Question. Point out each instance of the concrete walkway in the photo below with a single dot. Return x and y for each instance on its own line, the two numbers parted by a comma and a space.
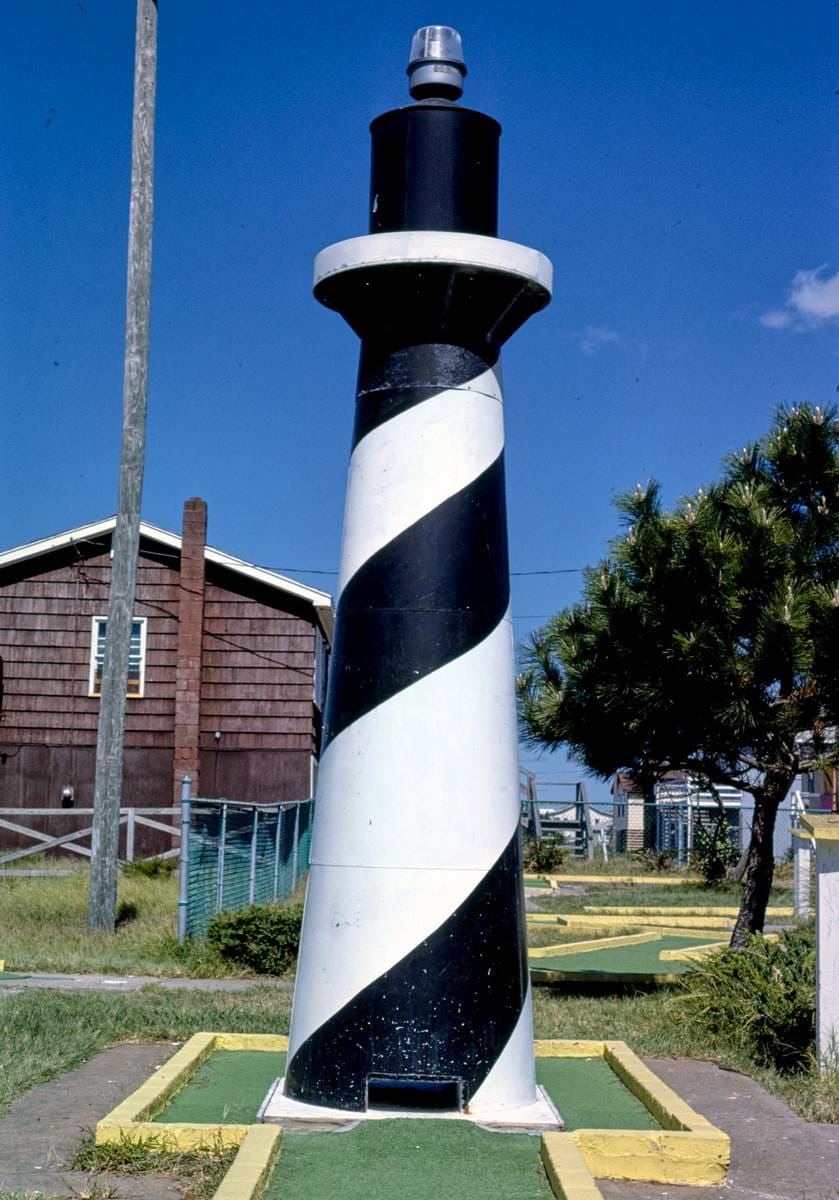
47, 1124
132, 983
775, 1154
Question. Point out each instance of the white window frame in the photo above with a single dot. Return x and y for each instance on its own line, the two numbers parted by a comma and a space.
94, 646
321, 669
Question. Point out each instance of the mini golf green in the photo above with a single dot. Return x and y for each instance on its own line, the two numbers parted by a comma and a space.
413, 1160
11, 975
230, 1086
227, 1089
640, 958
410, 1158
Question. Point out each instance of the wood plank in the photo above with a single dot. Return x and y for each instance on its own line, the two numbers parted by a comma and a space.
235, 691
287, 710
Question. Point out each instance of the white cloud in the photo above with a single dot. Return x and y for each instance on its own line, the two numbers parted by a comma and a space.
595, 338
812, 303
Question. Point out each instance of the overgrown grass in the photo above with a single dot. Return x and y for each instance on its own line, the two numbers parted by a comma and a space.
198, 1175
31, 1051
653, 1022
43, 927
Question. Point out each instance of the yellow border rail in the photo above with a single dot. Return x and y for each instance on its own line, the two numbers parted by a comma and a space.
686, 1149
132, 1120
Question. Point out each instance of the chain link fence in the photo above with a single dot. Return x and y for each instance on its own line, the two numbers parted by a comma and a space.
238, 854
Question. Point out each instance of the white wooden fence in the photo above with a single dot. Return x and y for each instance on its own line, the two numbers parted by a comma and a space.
129, 817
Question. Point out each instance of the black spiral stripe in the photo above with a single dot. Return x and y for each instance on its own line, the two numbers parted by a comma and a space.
392, 381
433, 593
447, 1009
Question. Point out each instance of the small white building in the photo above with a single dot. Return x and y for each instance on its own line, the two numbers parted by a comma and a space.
671, 816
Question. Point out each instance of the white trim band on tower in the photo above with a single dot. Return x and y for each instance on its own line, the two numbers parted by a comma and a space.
434, 246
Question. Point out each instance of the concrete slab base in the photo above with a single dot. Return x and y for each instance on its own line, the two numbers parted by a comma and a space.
296, 1117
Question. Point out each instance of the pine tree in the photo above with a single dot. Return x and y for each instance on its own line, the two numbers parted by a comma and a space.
707, 640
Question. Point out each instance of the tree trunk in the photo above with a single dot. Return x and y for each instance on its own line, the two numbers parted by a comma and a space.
760, 864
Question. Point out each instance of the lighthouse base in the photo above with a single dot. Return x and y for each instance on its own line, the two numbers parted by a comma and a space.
278, 1109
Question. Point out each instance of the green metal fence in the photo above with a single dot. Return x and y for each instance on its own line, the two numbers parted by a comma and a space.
239, 854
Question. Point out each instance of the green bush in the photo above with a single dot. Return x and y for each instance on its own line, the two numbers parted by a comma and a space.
150, 868
713, 852
654, 860
543, 854
761, 998
264, 937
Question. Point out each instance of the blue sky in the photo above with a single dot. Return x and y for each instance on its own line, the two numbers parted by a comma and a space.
673, 159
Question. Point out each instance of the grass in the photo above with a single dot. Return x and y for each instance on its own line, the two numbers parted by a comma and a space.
199, 1175
651, 1022
30, 1052
43, 927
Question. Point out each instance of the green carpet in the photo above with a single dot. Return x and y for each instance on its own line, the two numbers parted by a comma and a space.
11, 975
535, 883
230, 1086
589, 1095
641, 958
411, 1160
226, 1089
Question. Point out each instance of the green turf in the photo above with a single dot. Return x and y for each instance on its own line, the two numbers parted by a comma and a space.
228, 1088
589, 1095
535, 883
11, 975
412, 1160
640, 958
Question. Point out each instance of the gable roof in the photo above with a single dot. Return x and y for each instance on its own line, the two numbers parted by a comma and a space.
320, 601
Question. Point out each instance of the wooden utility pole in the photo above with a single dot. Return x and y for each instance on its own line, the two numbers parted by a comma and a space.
126, 540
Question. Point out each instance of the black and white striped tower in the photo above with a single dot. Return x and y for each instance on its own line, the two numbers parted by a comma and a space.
412, 978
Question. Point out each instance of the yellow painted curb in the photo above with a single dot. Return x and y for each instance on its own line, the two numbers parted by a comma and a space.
132, 1119
251, 1169
566, 1169
655, 1156
689, 953
568, 1048
2, 964
586, 919
628, 939
824, 828
548, 976
730, 910
687, 1149
643, 880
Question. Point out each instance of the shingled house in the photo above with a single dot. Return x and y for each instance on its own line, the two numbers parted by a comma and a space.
227, 674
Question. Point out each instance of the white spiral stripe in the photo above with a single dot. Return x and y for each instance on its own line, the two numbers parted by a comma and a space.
507, 1086
402, 785
409, 822
407, 466
349, 955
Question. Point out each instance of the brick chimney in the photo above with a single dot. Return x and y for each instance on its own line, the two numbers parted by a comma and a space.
190, 634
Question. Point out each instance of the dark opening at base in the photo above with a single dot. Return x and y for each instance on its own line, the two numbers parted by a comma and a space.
414, 1091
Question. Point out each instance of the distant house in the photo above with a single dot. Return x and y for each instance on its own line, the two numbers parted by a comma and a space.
669, 818
227, 673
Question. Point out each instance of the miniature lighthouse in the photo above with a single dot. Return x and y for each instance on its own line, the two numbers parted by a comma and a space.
412, 984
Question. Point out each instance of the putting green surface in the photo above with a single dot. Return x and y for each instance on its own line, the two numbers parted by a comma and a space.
410, 1160
530, 882
642, 958
230, 1086
226, 1089
589, 1095
11, 975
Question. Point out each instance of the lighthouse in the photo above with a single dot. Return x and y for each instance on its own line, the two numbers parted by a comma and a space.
412, 986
